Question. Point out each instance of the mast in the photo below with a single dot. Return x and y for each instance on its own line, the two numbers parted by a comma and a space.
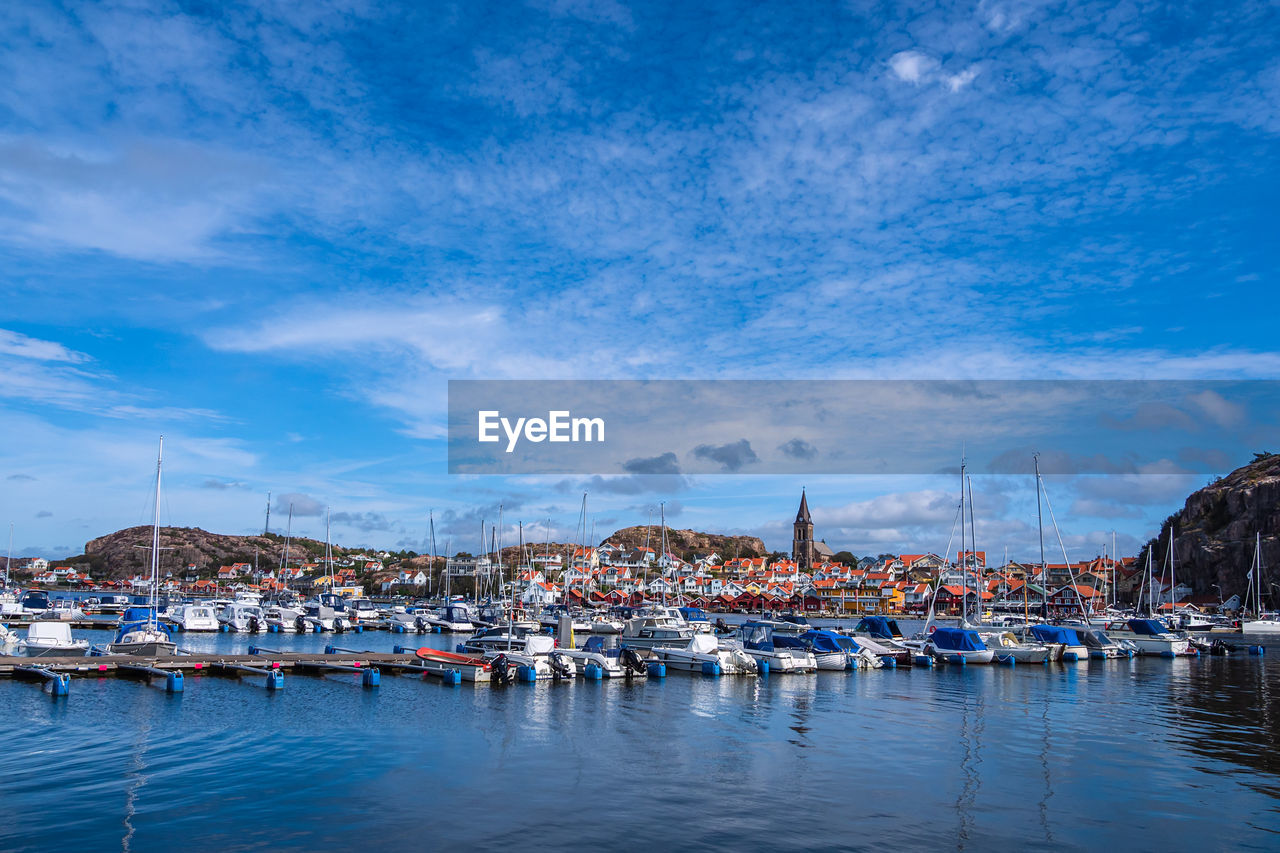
266, 527
662, 510
155, 537
1044, 586
8, 560
964, 576
328, 549
431, 567
973, 546
288, 532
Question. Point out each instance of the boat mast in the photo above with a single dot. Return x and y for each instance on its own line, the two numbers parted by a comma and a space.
964, 576
973, 546
8, 560
328, 549
288, 532
662, 510
1044, 585
431, 567
155, 537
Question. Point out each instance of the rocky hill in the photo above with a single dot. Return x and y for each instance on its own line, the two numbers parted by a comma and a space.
1214, 531
686, 543
116, 555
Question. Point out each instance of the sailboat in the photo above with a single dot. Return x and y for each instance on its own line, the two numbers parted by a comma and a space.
1263, 622
141, 632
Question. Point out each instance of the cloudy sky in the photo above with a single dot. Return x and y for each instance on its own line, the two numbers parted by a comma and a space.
274, 231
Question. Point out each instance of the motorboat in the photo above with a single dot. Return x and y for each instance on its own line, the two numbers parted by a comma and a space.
195, 617
320, 617
603, 623
52, 639
111, 604
703, 653
469, 667
499, 638
650, 630
243, 618
1007, 647
957, 645
1101, 646
832, 651
616, 663
34, 603
1064, 642
757, 640
878, 628
549, 619
454, 618
1266, 623
141, 633
64, 609
362, 611
8, 636
1151, 637
533, 653
697, 619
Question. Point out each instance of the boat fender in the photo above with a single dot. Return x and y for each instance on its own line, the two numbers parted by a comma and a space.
370, 677
657, 669
328, 650
173, 682
1168, 654
889, 661
275, 680
593, 672
1070, 657
762, 666
923, 660
526, 673
451, 677
1098, 654
710, 667
460, 649
1257, 650
960, 660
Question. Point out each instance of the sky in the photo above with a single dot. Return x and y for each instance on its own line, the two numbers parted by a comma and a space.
273, 232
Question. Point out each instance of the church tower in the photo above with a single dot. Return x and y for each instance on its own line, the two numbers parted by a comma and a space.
802, 539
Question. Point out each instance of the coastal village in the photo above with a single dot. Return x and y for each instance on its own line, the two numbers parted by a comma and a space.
810, 579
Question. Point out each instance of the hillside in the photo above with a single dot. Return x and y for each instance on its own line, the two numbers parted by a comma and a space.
686, 543
117, 555
1215, 529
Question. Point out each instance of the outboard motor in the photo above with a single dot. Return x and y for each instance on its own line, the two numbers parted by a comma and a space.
560, 667
630, 659
420, 624
501, 669
254, 625
300, 624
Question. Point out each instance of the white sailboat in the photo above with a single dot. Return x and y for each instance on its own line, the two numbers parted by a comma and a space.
1263, 622
141, 632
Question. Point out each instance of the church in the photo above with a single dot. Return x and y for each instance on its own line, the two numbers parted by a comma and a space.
804, 550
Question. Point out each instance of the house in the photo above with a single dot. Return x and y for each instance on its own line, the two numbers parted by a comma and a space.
540, 594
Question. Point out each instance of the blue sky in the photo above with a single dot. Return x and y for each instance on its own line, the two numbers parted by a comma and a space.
274, 231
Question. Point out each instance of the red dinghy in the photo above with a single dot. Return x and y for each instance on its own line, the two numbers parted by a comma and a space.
468, 667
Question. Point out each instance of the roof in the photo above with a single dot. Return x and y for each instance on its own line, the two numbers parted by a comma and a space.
802, 515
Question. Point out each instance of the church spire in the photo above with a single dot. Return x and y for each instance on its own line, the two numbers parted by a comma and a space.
803, 514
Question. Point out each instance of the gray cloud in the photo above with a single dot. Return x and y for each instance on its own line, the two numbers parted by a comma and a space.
44, 513
303, 505
731, 457
220, 485
798, 448
20, 478
365, 522
665, 463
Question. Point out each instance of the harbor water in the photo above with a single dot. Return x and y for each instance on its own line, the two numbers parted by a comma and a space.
1134, 755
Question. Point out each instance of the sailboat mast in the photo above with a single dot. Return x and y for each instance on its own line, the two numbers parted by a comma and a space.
964, 576
155, 535
1044, 586
8, 560
973, 546
431, 567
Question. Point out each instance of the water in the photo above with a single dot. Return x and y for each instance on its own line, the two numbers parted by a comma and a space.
1148, 754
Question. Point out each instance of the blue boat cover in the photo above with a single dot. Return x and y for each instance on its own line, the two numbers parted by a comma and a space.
692, 613
136, 614
1055, 634
957, 640
823, 642
877, 626
759, 637
1147, 627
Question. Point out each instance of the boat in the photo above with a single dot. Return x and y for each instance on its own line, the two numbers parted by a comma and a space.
1151, 637
757, 640
195, 617
453, 618
1262, 621
613, 663
362, 611
831, 650
650, 630
957, 645
64, 609
469, 667
1101, 646
8, 636
703, 653
549, 619
878, 628
320, 617
243, 618
1065, 644
52, 639
141, 632
696, 618
1007, 647
33, 603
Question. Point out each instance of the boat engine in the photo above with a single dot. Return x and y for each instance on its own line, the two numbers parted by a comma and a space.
501, 669
300, 625
560, 667
631, 659
254, 625
420, 624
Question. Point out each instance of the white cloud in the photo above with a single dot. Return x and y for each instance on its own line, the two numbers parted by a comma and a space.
911, 66
22, 346
956, 82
